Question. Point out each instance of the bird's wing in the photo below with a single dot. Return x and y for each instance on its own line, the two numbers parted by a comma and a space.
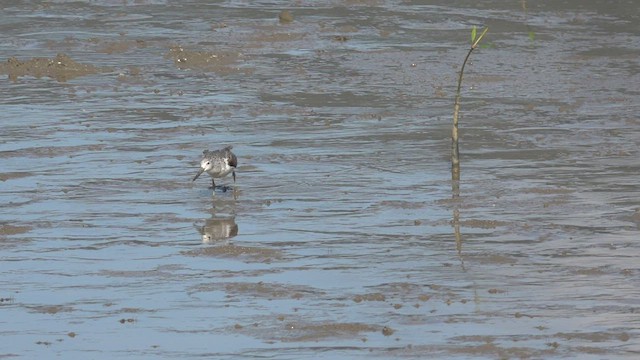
207, 152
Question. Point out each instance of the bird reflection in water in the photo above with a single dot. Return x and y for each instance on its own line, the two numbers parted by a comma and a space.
216, 230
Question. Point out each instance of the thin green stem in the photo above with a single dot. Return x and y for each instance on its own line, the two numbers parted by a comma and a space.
455, 149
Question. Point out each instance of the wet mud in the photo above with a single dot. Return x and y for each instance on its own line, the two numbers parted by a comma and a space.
61, 68
217, 62
248, 253
342, 237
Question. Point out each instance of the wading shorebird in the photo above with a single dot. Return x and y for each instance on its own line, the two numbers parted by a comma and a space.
218, 164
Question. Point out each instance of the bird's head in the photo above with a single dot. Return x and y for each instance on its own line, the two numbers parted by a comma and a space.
206, 164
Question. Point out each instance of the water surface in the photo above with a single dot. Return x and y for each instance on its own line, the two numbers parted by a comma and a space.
341, 238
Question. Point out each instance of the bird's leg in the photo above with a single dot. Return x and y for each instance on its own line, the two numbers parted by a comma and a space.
214, 183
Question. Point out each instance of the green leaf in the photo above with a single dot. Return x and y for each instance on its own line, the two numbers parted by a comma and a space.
532, 36
477, 41
473, 34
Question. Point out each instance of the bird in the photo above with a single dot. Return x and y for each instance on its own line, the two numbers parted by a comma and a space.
218, 164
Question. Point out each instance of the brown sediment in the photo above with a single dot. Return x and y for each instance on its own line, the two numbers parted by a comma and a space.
14, 175
234, 251
499, 352
61, 68
311, 332
596, 336
222, 62
295, 329
483, 224
50, 309
369, 297
261, 290
285, 17
13, 230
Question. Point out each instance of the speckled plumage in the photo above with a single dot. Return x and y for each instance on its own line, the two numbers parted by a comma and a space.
218, 164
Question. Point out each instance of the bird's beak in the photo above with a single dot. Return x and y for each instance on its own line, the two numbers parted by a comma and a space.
234, 176
198, 174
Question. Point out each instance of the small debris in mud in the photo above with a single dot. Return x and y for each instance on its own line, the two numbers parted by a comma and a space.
285, 17
340, 38
45, 343
387, 331
61, 68
496, 291
71, 334
129, 320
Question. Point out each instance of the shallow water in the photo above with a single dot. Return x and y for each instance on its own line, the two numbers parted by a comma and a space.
341, 238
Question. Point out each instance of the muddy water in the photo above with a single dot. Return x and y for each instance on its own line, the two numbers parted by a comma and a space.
341, 238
